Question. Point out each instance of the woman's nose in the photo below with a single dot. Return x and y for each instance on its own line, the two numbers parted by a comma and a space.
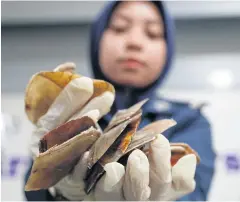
135, 39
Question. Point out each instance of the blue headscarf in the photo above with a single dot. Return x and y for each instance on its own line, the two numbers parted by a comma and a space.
97, 30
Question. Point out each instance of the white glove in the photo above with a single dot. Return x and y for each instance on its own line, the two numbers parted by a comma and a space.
71, 104
148, 178
72, 186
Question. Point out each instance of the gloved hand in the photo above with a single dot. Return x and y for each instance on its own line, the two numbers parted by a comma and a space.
71, 104
148, 178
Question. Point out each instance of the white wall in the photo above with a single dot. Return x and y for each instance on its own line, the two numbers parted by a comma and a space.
14, 146
14, 12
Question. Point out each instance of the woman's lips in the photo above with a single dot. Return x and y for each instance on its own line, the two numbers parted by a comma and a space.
132, 63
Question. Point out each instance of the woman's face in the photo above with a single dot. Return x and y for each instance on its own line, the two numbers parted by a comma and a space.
133, 48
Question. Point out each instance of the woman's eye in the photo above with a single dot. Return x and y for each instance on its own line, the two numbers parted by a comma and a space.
118, 28
154, 32
155, 35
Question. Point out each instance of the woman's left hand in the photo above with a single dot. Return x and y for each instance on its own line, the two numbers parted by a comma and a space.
148, 178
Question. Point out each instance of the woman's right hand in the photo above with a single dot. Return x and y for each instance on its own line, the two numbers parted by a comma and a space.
71, 101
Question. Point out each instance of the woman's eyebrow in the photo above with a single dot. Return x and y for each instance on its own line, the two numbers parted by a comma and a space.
154, 21
122, 16
128, 19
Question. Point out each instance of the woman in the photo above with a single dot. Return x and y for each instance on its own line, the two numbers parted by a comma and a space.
132, 47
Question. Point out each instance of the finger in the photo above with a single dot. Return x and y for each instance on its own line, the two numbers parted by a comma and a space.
183, 173
102, 102
71, 191
136, 179
72, 185
80, 168
66, 67
109, 187
160, 168
71, 99
93, 114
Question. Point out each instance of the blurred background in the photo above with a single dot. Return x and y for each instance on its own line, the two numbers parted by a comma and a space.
40, 35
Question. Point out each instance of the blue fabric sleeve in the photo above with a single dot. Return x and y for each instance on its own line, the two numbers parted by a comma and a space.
198, 136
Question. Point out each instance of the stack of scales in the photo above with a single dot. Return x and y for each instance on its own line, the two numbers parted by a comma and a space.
61, 148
